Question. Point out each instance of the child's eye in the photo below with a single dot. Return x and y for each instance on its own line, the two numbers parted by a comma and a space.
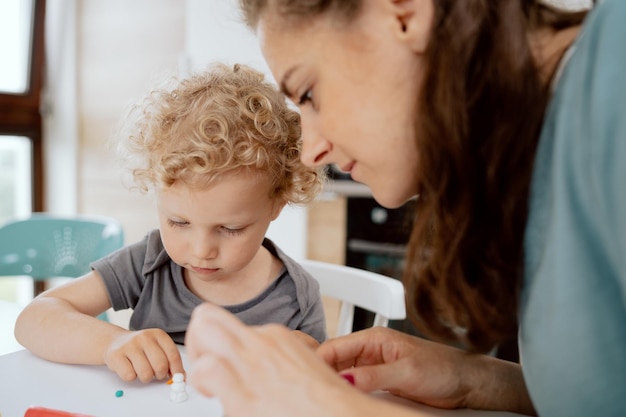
232, 231
306, 97
175, 223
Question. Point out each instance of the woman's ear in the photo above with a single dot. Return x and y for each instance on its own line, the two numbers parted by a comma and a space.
414, 21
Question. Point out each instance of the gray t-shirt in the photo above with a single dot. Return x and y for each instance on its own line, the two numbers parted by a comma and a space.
142, 277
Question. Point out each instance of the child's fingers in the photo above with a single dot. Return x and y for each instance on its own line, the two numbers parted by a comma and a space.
122, 366
172, 356
143, 367
176, 367
158, 359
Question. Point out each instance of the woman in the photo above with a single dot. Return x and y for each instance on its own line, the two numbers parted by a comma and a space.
504, 118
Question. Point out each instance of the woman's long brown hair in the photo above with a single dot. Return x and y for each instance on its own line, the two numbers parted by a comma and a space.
482, 105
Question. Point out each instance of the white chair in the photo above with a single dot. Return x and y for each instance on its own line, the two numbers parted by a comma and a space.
377, 293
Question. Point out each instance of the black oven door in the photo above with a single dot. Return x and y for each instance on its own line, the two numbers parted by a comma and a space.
376, 240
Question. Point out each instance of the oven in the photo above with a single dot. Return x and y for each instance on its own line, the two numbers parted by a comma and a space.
376, 239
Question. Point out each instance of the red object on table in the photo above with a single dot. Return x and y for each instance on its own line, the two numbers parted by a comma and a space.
49, 412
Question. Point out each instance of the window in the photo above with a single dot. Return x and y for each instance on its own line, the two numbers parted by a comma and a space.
21, 72
15, 45
21, 49
15, 176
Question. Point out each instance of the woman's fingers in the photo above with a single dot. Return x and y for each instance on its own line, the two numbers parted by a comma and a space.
223, 376
379, 377
223, 365
214, 329
247, 368
365, 347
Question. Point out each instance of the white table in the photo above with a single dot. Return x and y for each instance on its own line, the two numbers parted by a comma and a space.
8, 315
26, 380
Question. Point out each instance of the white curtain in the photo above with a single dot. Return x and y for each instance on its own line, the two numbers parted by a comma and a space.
59, 108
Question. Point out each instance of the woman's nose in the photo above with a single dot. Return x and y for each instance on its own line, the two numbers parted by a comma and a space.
316, 150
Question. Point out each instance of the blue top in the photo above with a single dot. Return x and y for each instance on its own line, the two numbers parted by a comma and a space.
573, 307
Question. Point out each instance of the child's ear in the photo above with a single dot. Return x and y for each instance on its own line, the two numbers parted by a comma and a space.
278, 206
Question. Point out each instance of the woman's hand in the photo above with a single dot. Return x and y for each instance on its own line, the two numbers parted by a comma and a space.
427, 372
144, 354
414, 368
268, 371
307, 339
262, 371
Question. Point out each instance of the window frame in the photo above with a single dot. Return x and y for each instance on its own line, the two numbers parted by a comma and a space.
20, 114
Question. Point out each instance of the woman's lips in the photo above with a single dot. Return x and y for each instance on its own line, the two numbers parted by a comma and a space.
347, 168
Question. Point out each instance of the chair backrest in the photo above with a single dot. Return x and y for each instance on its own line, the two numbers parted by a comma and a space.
46, 246
377, 293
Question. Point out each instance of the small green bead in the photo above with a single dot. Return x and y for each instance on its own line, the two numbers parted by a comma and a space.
119, 393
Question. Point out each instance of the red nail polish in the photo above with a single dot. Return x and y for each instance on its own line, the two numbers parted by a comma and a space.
349, 378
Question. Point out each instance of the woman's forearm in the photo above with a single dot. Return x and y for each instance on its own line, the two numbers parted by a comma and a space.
496, 384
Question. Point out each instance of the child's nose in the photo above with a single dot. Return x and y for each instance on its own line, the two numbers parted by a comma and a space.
204, 247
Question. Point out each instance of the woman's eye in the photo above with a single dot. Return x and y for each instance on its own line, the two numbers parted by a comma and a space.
306, 97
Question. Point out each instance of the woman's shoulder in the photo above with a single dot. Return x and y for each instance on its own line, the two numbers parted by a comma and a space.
580, 162
604, 32
588, 104
610, 9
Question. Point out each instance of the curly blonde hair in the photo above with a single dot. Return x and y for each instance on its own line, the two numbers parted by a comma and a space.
216, 122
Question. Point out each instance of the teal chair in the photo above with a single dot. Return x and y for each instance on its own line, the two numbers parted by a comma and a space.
45, 246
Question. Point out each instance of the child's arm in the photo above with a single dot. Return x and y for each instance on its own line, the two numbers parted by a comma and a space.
60, 325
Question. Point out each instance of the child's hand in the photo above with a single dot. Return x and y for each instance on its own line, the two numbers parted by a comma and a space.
144, 354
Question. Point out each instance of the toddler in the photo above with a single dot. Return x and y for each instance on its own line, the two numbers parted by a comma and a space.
220, 151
